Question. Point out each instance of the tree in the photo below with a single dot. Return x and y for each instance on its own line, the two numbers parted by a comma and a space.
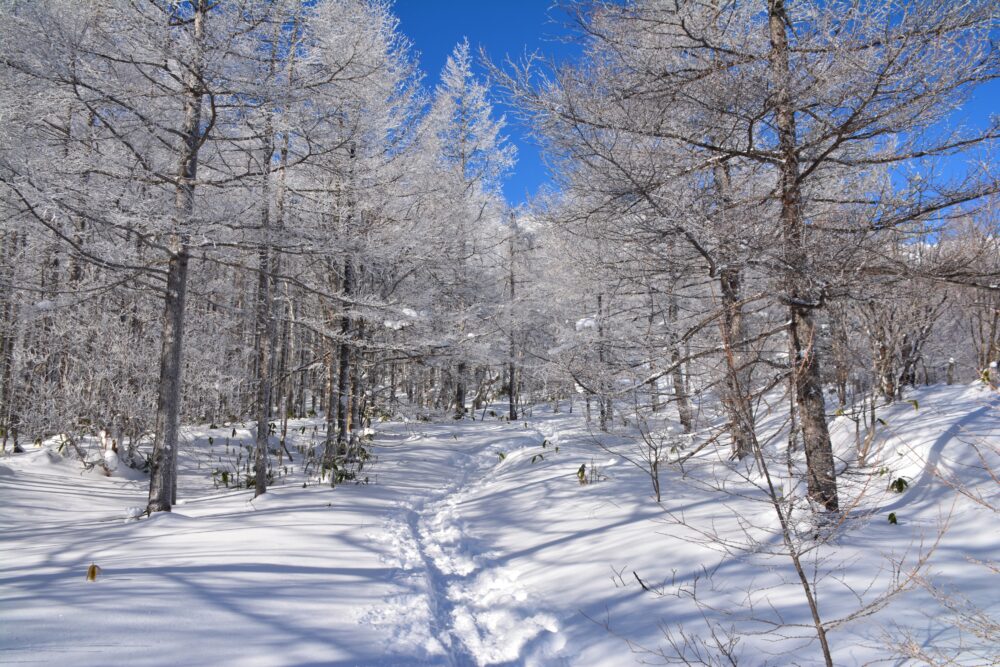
827, 93
144, 99
467, 143
198, 136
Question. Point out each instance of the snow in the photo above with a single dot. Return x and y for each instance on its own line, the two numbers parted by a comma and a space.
409, 316
455, 555
44, 305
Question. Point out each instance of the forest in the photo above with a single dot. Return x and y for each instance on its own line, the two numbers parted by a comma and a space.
768, 262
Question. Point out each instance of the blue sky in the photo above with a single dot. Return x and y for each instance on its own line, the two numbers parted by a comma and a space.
502, 27
509, 27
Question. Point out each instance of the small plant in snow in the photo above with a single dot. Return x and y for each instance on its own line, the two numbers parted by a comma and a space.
220, 476
899, 485
588, 474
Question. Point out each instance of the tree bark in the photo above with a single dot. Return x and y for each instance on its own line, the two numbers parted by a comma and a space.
357, 387
267, 264
163, 468
8, 330
330, 400
460, 373
344, 373
603, 415
163, 471
512, 354
736, 396
265, 354
803, 333
737, 391
685, 415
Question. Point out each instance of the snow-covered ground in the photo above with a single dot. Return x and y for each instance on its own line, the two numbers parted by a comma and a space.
475, 543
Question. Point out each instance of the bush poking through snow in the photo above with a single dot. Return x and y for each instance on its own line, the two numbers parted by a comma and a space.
588, 474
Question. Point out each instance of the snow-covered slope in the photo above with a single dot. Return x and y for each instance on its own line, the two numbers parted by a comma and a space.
477, 544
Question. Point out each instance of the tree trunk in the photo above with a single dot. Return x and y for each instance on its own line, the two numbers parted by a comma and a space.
603, 415
344, 372
330, 400
512, 394
840, 345
265, 363
163, 471
803, 333
357, 388
163, 466
8, 330
737, 391
512, 352
736, 395
460, 373
267, 265
883, 362
685, 415
266, 333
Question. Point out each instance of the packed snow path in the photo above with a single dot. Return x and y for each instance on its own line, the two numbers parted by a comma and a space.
475, 545
466, 606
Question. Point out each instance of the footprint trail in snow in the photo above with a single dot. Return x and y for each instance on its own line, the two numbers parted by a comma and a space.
461, 607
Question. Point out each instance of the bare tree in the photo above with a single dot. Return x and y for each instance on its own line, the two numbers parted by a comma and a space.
827, 94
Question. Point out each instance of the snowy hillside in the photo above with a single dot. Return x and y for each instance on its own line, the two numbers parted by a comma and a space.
475, 543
